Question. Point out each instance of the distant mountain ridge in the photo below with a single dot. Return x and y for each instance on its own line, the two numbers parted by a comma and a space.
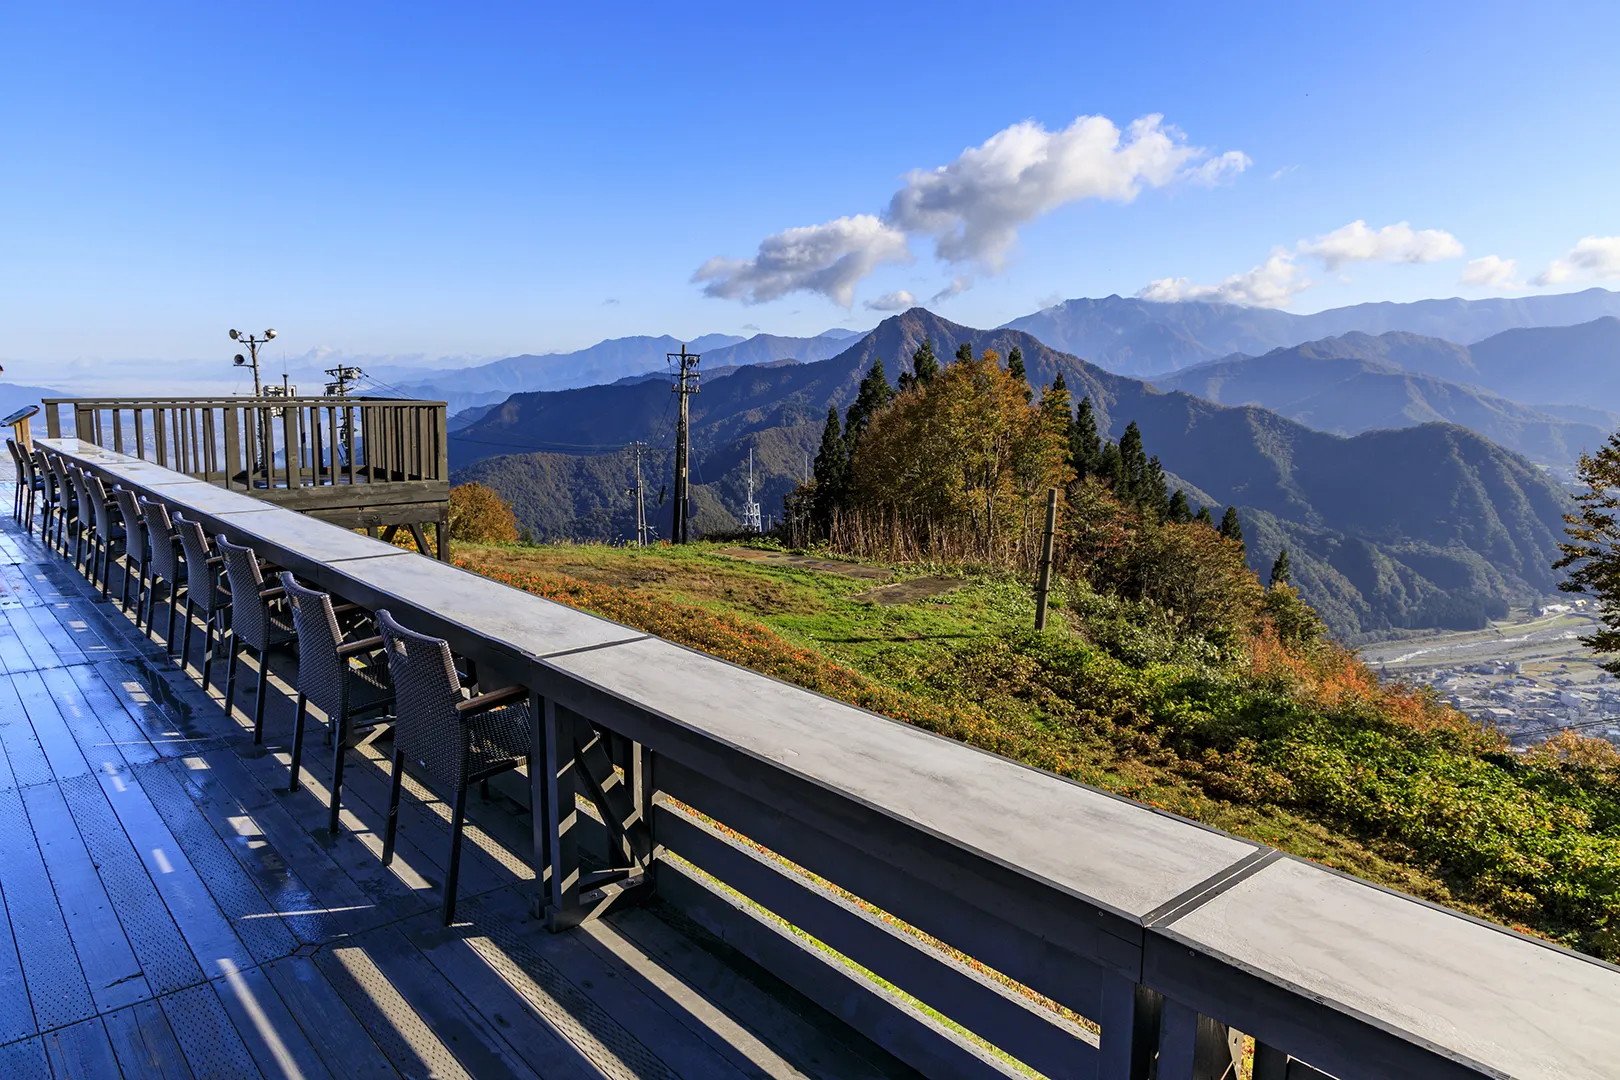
1355, 383
1375, 543
1143, 337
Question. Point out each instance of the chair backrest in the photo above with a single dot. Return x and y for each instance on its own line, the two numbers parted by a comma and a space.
204, 583
320, 669
160, 535
96, 492
250, 612
129, 508
426, 692
17, 460
81, 495
56, 483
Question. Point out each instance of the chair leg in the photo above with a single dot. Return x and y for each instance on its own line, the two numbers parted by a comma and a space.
230, 679
123, 582
185, 636
208, 648
341, 727
391, 825
151, 605
106, 566
298, 742
458, 815
263, 656
174, 602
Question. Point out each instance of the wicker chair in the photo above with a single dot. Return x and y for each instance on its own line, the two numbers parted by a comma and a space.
205, 594
36, 486
27, 482
61, 502
258, 622
111, 538
453, 739
347, 680
84, 544
165, 567
137, 552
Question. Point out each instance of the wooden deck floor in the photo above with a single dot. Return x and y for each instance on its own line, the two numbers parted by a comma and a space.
167, 909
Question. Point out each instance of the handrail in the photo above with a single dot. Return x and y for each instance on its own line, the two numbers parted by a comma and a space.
719, 788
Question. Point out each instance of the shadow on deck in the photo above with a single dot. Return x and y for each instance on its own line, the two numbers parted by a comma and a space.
170, 910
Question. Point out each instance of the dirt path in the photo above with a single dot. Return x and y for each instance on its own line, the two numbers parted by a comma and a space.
809, 562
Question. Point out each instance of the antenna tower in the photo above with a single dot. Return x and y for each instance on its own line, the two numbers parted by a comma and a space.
686, 384
751, 508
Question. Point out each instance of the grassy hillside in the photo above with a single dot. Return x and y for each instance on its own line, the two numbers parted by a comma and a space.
1302, 750
1381, 545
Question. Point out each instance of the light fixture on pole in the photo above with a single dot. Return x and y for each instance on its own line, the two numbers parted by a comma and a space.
252, 357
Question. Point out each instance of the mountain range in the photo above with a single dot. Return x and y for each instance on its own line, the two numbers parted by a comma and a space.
1375, 543
1143, 337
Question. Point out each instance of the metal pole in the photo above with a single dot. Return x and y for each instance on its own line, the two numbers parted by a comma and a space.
685, 386
1043, 584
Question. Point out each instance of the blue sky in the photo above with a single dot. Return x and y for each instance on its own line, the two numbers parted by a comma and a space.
480, 180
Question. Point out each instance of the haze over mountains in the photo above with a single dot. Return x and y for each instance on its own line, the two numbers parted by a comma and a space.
1145, 337
1375, 543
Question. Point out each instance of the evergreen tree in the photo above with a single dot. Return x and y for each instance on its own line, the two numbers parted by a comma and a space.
1280, 569
874, 394
1015, 368
831, 474
1085, 445
1203, 517
1133, 466
1156, 493
1111, 468
924, 366
964, 351
1180, 511
1231, 527
1056, 409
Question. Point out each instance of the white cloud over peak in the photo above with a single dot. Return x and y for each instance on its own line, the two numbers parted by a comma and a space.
973, 207
1355, 242
1492, 270
899, 300
829, 259
957, 287
1279, 279
1593, 259
1271, 284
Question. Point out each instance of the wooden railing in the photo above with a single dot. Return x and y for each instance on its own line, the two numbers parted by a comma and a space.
248, 443
359, 462
973, 916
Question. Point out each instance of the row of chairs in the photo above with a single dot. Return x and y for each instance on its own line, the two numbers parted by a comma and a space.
367, 673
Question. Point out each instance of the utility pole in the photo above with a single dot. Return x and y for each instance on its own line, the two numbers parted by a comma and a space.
686, 384
342, 376
641, 500
262, 433
1043, 583
751, 508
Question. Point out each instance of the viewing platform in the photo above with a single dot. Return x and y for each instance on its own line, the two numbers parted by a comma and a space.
706, 873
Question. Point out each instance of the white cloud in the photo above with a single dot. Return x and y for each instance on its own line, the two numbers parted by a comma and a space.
1355, 242
973, 207
1593, 259
1282, 172
1271, 284
1219, 169
899, 300
828, 259
957, 287
1492, 270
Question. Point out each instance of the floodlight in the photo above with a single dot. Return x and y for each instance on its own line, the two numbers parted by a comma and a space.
268, 334
233, 335
240, 359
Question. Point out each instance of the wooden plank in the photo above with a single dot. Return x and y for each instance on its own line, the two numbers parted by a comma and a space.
206, 1035
206, 929
105, 957
910, 1036
273, 1037
16, 1013
25, 761
97, 747
38, 647
990, 1011
733, 1004
126, 735
56, 985
166, 961
61, 638
253, 918
81, 1052
144, 1043
25, 1060
327, 1022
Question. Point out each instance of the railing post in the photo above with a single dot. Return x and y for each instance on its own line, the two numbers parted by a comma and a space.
561, 871
1130, 1029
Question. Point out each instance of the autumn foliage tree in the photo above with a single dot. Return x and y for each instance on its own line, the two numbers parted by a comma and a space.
479, 515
